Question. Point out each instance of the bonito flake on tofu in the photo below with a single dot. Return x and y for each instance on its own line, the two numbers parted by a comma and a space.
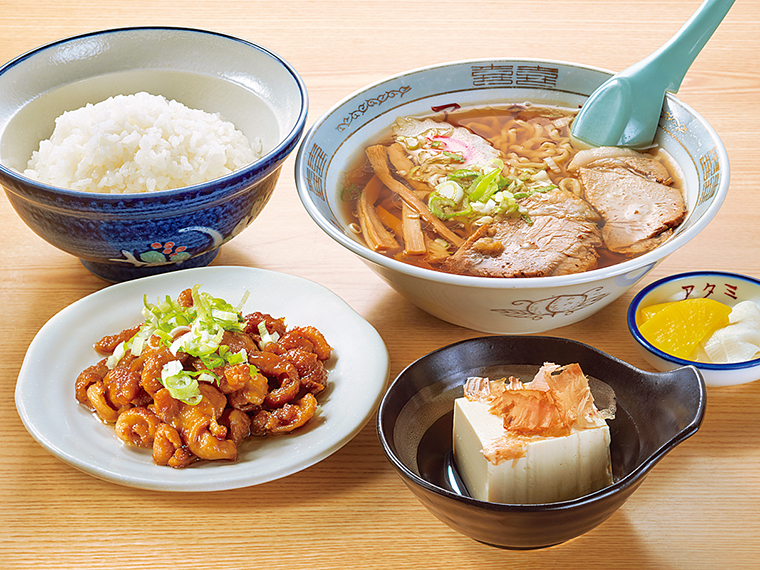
557, 400
534, 442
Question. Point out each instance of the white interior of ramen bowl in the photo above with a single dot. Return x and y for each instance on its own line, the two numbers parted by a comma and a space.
336, 137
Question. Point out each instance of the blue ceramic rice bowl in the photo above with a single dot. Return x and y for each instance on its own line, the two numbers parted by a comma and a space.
125, 236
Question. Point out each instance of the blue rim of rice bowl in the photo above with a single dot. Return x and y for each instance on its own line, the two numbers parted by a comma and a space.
262, 166
633, 309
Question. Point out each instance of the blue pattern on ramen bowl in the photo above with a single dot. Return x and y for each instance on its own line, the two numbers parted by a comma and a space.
125, 236
498, 305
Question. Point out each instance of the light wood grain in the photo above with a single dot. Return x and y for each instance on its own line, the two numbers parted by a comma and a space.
698, 509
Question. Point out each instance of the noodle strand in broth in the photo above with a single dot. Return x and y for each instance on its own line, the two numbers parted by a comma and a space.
496, 191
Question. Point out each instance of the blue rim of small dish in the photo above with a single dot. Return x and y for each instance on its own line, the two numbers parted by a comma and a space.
634, 329
255, 169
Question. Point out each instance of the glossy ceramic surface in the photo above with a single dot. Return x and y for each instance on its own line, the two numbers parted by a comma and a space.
728, 288
509, 306
120, 237
655, 413
625, 110
45, 393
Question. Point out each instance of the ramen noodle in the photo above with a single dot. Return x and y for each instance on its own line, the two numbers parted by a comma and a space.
502, 192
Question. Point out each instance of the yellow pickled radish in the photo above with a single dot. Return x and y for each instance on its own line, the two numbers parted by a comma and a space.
648, 312
680, 327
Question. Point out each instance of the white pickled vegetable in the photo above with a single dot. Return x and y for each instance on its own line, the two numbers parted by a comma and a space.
740, 340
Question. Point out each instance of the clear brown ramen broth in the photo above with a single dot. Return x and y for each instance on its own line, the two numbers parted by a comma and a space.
522, 134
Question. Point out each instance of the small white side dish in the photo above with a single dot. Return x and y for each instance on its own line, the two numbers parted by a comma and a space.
359, 370
728, 288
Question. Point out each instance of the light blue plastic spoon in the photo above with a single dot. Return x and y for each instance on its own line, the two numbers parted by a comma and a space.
625, 109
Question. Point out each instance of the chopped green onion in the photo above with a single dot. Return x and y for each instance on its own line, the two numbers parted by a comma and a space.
484, 191
484, 186
117, 355
537, 190
350, 193
455, 156
243, 301
180, 383
204, 325
206, 376
220, 315
212, 361
236, 357
463, 173
445, 208
451, 190
266, 338
139, 340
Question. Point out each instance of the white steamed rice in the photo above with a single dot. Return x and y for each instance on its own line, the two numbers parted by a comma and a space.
139, 143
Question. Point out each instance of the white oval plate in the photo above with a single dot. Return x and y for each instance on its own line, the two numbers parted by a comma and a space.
359, 370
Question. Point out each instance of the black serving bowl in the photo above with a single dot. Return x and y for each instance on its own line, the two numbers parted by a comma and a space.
655, 412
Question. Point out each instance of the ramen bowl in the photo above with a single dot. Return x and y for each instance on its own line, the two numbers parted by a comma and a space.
125, 236
498, 305
727, 288
656, 411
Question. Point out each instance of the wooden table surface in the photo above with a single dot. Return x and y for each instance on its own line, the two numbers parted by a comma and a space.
699, 508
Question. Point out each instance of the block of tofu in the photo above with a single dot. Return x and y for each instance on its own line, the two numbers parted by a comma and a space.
551, 469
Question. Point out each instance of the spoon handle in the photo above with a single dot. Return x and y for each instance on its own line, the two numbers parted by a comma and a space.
670, 62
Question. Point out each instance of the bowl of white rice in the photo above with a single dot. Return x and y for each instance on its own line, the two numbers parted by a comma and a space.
144, 150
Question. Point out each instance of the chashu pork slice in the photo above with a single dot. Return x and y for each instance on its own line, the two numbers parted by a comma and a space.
561, 204
562, 239
632, 192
